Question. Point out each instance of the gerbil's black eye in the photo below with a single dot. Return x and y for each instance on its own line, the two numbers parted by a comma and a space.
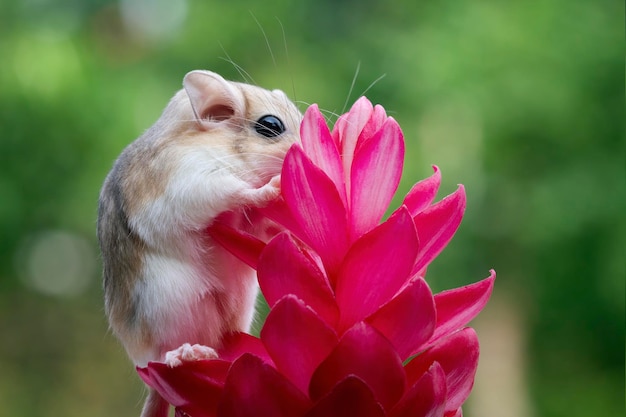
269, 126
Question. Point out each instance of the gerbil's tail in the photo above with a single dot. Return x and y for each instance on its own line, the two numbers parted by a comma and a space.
155, 406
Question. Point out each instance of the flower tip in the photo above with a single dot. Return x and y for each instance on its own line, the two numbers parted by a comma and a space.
313, 109
379, 108
461, 196
491, 279
395, 125
144, 374
363, 100
361, 108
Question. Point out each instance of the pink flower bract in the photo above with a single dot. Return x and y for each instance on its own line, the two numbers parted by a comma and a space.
353, 327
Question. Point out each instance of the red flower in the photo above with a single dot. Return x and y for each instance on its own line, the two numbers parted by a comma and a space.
353, 327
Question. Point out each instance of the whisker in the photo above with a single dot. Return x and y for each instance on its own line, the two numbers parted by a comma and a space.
247, 217
261, 169
242, 72
293, 84
225, 157
372, 84
254, 171
306, 103
267, 42
251, 154
328, 114
356, 74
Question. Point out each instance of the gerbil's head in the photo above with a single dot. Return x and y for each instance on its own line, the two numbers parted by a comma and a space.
255, 126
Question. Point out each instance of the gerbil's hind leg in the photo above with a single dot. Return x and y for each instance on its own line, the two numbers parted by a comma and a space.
155, 406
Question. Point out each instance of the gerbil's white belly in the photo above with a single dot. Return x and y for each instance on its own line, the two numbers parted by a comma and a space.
185, 302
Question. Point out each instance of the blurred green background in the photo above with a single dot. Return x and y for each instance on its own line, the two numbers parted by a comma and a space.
520, 101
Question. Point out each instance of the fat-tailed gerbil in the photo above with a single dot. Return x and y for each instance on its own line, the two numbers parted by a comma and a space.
217, 147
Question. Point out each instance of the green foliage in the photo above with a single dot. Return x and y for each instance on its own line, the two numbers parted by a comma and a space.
520, 101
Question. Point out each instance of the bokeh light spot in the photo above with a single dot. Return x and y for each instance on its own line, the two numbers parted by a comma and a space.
57, 263
153, 20
46, 63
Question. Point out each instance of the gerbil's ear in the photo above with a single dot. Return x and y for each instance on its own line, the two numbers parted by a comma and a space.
213, 99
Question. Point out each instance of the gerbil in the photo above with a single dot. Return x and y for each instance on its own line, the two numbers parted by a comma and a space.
217, 147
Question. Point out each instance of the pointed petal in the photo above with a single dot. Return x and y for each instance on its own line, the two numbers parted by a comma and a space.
426, 398
347, 131
195, 387
376, 172
436, 226
350, 397
375, 268
350, 125
254, 388
234, 345
319, 145
408, 320
241, 244
373, 125
317, 207
423, 193
458, 306
367, 354
297, 339
285, 267
458, 356
455, 413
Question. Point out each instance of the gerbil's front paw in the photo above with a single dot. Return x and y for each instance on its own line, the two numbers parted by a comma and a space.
265, 194
189, 353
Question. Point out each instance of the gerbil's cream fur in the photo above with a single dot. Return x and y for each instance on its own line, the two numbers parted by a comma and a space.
165, 282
